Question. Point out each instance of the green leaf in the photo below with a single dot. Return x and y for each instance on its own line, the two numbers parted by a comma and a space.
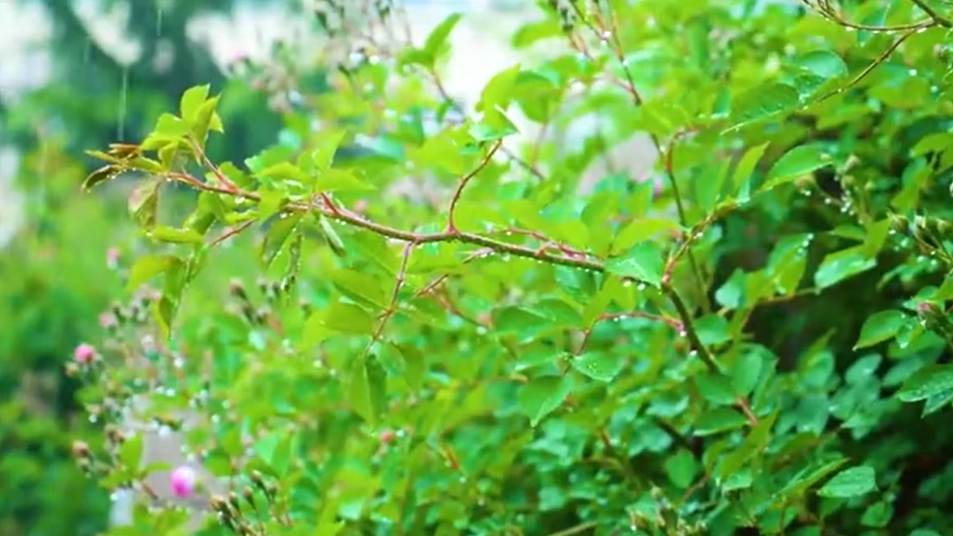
641, 230
841, 265
147, 267
797, 162
323, 156
541, 396
191, 101
368, 385
850, 483
101, 175
337, 318
284, 170
716, 388
130, 452
174, 235
822, 63
718, 420
681, 468
643, 262
741, 177
360, 287
170, 126
746, 372
143, 203
339, 180
438, 36
880, 327
600, 366
497, 93
762, 102
277, 236
927, 382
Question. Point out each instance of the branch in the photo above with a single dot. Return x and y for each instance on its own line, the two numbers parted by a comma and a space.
392, 306
609, 33
937, 18
462, 183
415, 239
880, 59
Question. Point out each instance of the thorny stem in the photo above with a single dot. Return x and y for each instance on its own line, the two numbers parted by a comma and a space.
462, 183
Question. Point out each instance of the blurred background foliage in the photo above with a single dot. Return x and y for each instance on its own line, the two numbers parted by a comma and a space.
54, 270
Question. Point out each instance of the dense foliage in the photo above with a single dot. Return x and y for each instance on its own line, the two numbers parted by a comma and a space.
759, 346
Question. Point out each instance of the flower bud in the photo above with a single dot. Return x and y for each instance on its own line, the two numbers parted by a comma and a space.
84, 354
182, 481
80, 449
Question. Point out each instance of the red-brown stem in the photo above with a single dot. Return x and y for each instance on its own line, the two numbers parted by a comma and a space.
226, 182
745, 408
462, 183
231, 232
392, 306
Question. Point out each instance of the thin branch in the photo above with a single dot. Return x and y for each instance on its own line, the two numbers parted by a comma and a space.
937, 18
415, 239
880, 59
462, 183
231, 232
392, 306
827, 11
582, 527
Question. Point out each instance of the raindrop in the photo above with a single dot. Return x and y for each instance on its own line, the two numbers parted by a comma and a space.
122, 103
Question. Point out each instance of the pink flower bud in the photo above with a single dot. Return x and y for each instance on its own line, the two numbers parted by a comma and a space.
386, 436
84, 353
182, 481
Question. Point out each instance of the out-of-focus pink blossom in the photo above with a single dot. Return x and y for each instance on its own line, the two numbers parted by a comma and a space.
182, 481
386, 436
84, 353
107, 320
112, 257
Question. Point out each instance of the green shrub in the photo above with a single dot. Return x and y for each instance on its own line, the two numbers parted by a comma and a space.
759, 348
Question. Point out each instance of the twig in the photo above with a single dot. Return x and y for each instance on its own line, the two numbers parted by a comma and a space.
226, 182
582, 527
880, 59
392, 306
231, 232
462, 183
937, 18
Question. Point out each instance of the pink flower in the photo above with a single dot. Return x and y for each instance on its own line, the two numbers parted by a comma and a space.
386, 436
84, 353
182, 480
107, 320
112, 257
